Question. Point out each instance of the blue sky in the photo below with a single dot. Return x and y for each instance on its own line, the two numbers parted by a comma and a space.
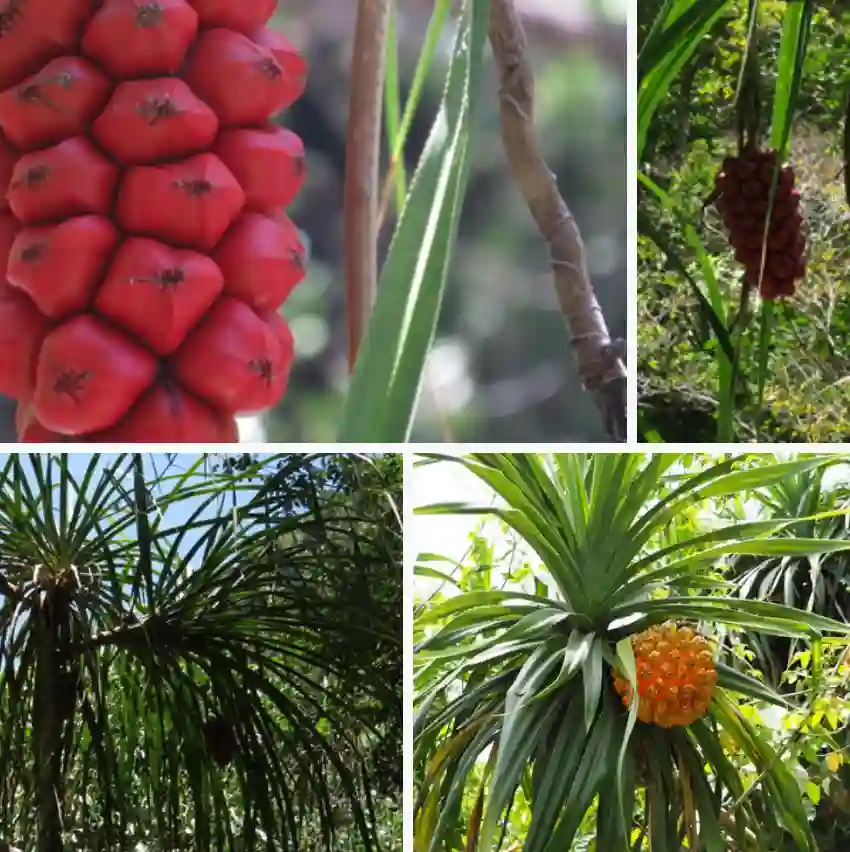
157, 466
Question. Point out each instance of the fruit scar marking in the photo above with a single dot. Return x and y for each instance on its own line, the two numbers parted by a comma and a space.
263, 368
270, 68
33, 252
155, 109
168, 279
34, 92
11, 13
149, 15
194, 187
34, 176
71, 383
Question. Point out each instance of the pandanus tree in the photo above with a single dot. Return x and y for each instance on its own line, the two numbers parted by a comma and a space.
817, 582
171, 672
538, 684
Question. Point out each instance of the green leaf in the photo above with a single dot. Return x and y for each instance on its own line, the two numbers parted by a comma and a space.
433, 573
666, 52
599, 755
576, 652
554, 771
744, 684
765, 617
710, 832
592, 677
813, 792
522, 735
384, 389
472, 600
625, 773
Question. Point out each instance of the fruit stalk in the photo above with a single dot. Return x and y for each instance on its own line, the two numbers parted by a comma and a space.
363, 151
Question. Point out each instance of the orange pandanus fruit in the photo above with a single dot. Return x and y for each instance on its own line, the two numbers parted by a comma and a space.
676, 675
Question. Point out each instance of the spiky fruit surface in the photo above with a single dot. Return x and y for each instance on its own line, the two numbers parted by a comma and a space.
144, 249
743, 186
676, 675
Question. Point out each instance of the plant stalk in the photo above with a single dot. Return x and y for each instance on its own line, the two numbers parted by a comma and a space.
599, 359
363, 153
47, 731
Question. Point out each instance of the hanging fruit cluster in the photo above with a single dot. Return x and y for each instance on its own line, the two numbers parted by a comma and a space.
676, 675
144, 251
220, 740
743, 188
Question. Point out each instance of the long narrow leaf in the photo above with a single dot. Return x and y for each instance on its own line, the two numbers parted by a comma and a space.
385, 386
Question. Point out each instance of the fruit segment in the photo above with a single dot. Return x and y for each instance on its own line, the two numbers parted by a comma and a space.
234, 360
158, 293
291, 63
59, 266
254, 153
190, 203
141, 38
150, 120
262, 259
22, 329
88, 376
59, 101
144, 248
241, 80
68, 179
35, 31
167, 413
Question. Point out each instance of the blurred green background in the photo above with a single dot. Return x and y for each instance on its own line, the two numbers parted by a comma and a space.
501, 368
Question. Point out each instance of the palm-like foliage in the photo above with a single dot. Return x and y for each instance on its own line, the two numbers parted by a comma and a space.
521, 678
171, 664
817, 582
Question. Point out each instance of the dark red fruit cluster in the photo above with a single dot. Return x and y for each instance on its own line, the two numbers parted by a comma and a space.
743, 186
144, 251
220, 740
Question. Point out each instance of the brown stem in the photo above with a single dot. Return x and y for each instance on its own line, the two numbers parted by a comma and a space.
122, 636
8, 589
47, 730
363, 152
728, 821
599, 361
